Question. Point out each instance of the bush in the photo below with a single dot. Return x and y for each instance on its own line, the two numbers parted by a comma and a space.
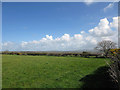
115, 65
85, 54
19, 53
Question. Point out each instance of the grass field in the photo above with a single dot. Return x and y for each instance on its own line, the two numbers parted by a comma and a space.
52, 72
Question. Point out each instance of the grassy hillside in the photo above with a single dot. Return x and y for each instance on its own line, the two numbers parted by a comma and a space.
48, 71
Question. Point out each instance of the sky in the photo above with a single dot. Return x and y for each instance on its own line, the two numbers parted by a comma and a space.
57, 26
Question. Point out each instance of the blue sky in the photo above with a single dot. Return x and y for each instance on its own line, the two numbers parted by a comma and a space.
26, 25
32, 21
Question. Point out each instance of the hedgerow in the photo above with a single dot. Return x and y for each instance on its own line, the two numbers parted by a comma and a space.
115, 65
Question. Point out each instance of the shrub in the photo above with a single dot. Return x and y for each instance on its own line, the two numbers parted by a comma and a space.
115, 65
85, 54
19, 53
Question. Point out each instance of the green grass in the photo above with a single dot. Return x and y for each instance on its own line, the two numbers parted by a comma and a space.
47, 71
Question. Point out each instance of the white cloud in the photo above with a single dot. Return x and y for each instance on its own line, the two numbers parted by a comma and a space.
108, 6
82, 32
81, 41
49, 37
10, 46
65, 37
103, 29
114, 24
89, 2
78, 36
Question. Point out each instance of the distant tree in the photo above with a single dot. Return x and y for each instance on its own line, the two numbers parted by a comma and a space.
105, 46
6, 52
85, 54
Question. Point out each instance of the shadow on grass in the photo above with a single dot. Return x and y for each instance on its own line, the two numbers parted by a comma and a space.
99, 79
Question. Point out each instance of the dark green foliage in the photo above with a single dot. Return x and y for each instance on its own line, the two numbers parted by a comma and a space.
85, 54
41, 53
114, 65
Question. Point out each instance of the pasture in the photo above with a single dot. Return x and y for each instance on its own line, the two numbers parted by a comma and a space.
19, 71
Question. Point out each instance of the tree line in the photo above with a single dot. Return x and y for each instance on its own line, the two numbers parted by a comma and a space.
38, 53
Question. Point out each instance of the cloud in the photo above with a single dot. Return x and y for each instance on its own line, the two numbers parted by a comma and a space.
103, 28
82, 32
48, 38
89, 2
108, 6
81, 41
9, 46
114, 24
